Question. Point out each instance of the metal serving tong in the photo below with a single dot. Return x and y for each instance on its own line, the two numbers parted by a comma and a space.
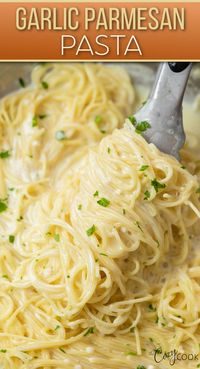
163, 109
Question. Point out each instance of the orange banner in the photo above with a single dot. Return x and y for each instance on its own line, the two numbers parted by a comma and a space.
83, 31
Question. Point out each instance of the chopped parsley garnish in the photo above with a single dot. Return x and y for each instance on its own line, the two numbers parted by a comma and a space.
3, 206
21, 82
60, 135
35, 121
45, 85
89, 331
198, 190
132, 353
62, 350
142, 126
4, 154
139, 226
79, 206
183, 167
68, 276
98, 119
20, 218
139, 126
3, 350
132, 329
144, 102
96, 193
151, 307
147, 195
132, 120
91, 230
141, 367
109, 150
158, 350
157, 185
143, 168
198, 365
102, 131
11, 238
56, 237
102, 253
103, 202
57, 327
124, 211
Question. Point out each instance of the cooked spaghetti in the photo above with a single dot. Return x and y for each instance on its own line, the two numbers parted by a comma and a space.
97, 268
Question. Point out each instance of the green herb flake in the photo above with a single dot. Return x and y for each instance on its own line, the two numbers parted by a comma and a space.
158, 243
124, 211
132, 353
147, 195
151, 307
102, 131
157, 185
56, 237
11, 238
57, 327
98, 119
198, 365
158, 350
102, 253
143, 168
103, 202
80, 207
60, 135
183, 167
89, 331
21, 82
44, 85
62, 350
142, 127
132, 119
198, 190
109, 150
35, 121
3, 206
96, 194
4, 154
5, 276
20, 218
42, 116
138, 225
68, 276
3, 351
91, 230
141, 367
132, 329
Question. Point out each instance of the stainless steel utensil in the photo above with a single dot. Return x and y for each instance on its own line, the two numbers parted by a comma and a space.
163, 109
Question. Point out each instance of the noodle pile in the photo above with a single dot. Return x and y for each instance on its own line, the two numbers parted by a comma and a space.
97, 228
